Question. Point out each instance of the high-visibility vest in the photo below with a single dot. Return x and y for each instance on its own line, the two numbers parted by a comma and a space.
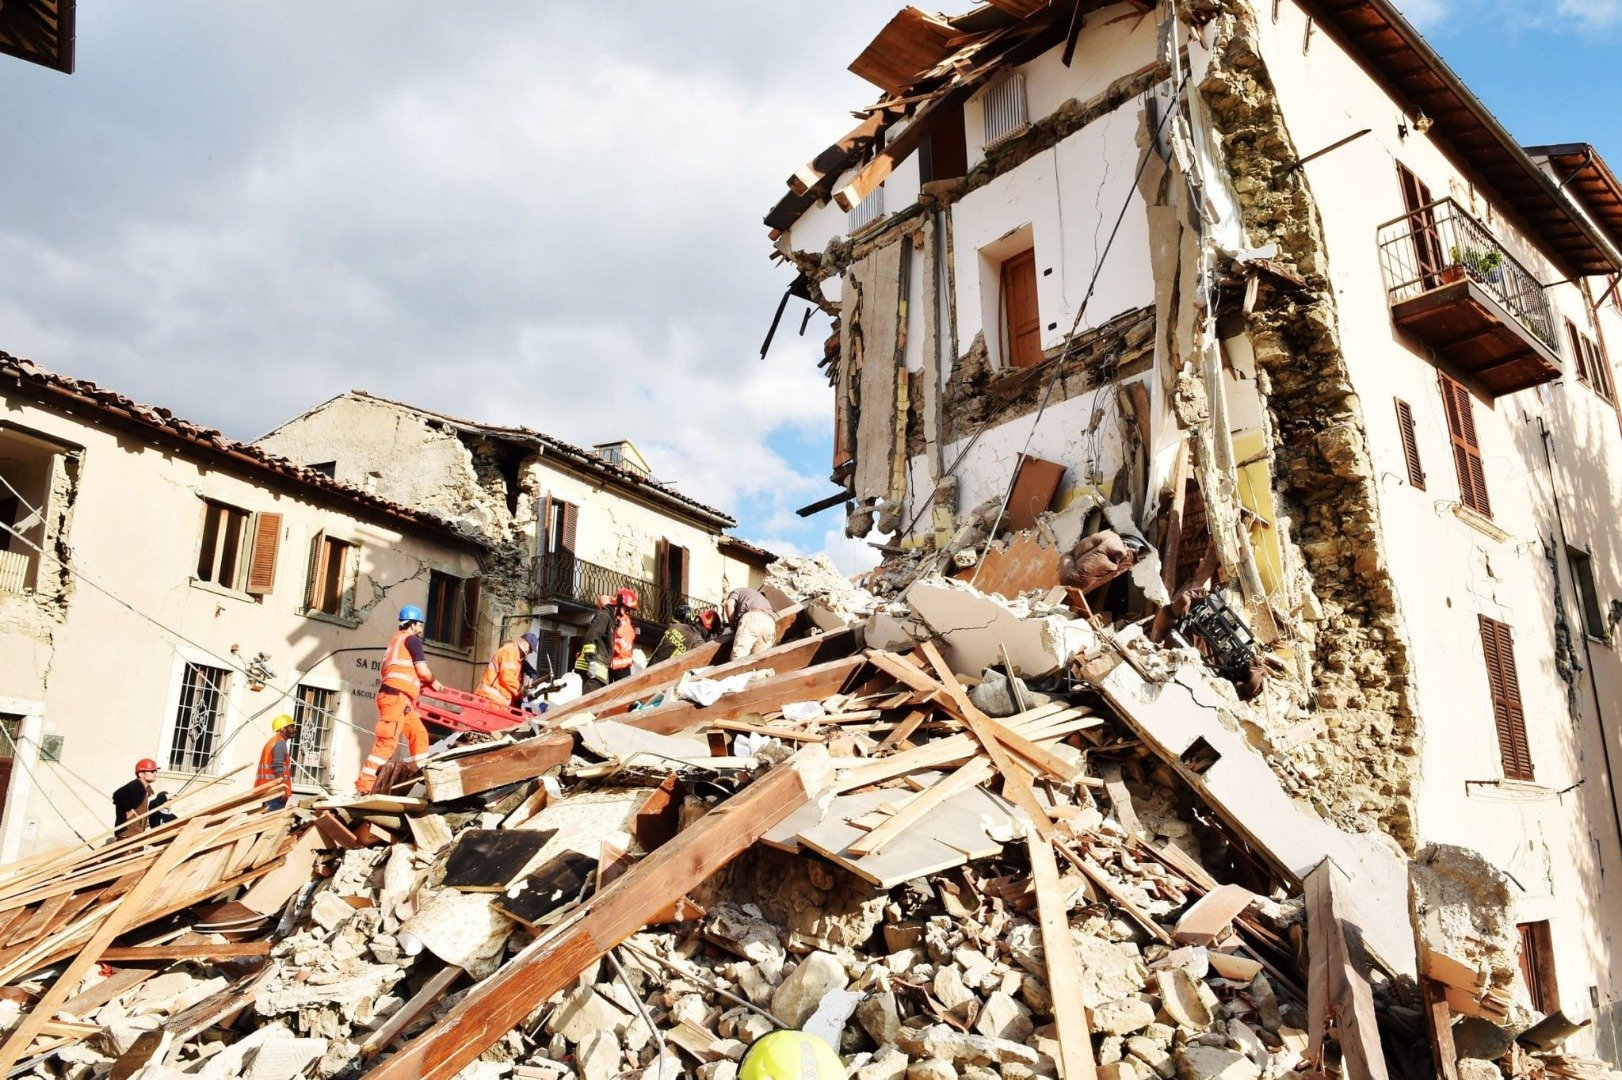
503, 675
267, 765
624, 641
399, 670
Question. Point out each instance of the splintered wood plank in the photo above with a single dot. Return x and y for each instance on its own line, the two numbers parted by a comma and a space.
810, 684
971, 775
119, 982
1120, 798
488, 860
499, 1003
451, 780
1064, 971
1016, 782
1208, 917
1338, 983
200, 950
129, 908
618, 697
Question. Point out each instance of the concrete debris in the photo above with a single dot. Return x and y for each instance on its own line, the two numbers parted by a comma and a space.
885, 908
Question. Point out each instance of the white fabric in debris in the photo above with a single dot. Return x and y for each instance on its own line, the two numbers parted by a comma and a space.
709, 691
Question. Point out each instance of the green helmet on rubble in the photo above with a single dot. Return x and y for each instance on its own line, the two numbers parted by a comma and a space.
791, 1055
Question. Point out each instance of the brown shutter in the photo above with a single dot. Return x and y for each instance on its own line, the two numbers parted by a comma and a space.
467, 633
571, 516
1410, 444
1020, 314
1503, 682
1579, 356
685, 557
543, 539
267, 539
661, 560
1461, 428
318, 571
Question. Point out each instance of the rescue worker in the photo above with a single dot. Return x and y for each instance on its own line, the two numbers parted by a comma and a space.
754, 627
592, 663
135, 804
790, 1055
503, 678
622, 653
684, 633
276, 760
405, 673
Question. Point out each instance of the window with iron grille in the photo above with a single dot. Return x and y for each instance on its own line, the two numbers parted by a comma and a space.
313, 708
195, 739
1005, 110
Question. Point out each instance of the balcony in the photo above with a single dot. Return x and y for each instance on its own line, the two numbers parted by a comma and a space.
562, 578
1453, 286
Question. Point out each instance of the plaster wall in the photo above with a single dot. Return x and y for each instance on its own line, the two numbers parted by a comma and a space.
1557, 837
110, 687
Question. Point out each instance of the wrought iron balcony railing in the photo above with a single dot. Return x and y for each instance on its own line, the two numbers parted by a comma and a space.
1440, 245
560, 576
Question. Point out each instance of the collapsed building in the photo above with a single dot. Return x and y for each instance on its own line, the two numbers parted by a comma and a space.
1238, 278
956, 836
566, 524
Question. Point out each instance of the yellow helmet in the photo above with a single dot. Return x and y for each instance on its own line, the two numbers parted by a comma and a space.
791, 1055
280, 722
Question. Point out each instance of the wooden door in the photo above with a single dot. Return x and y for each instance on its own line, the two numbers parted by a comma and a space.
1416, 199
1021, 318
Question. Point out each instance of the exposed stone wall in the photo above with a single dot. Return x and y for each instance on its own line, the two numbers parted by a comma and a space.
1322, 472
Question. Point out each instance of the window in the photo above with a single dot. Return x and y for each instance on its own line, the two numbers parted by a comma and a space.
312, 757
1505, 686
671, 578
562, 520
1461, 428
453, 609
325, 468
330, 587
238, 549
1021, 321
869, 210
1410, 444
1592, 370
1582, 573
1537, 966
1004, 109
945, 153
551, 659
196, 734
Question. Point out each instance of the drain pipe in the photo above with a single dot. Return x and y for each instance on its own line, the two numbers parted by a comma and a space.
1588, 648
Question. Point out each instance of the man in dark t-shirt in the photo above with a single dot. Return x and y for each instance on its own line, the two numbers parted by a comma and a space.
135, 805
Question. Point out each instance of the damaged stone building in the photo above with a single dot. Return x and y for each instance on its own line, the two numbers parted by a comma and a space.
567, 524
165, 591
1264, 279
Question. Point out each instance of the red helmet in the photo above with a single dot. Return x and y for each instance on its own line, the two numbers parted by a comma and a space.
626, 598
146, 764
708, 618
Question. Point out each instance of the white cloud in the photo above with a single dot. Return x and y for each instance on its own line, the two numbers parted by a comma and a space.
1592, 14
1424, 14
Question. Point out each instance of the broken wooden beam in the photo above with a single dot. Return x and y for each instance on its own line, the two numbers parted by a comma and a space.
1075, 1059
201, 950
811, 684
1338, 989
472, 773
549, 964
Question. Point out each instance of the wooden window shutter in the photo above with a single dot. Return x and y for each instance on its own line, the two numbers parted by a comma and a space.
1021, 317
1509, 717
544, 541
685, 557
318, 570
1579, 355
467, 631
571, 516
661, 570
1461, 429
267, 539
1410, 444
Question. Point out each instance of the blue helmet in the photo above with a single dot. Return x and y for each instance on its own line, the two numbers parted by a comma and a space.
411, 613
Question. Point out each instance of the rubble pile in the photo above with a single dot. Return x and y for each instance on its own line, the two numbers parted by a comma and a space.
962, 837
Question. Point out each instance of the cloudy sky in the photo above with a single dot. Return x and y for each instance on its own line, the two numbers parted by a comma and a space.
544, 213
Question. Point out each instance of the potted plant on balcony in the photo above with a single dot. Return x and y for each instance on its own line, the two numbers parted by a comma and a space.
1483, 264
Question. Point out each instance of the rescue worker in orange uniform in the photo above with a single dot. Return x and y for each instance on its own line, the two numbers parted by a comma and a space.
503, 679
405, 673
624, 642
276, 760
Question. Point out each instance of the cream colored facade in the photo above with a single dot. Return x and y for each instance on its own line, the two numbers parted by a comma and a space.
1287, 405
112, 657
569, 523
